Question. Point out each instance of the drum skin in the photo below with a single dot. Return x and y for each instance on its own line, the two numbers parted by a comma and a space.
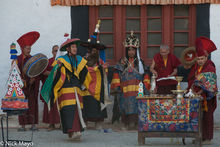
35, 65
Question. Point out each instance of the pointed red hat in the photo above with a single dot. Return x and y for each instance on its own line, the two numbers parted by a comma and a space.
206, 44
28, 39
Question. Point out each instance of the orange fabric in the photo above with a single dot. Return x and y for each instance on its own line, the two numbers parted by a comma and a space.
165, 62
200, 69
146, 81
205, 105
128, 2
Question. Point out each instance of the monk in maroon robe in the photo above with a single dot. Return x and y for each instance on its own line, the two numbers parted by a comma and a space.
31, 85
51, 117
164, 65
204, 65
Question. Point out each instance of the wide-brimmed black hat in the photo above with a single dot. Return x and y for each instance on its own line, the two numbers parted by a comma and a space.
93, 43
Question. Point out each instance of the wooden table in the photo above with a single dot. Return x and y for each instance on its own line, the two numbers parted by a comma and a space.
167, 116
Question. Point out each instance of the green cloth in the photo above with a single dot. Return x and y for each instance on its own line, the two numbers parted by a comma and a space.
47, 87
207, 81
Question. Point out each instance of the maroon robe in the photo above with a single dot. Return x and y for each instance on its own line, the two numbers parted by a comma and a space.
52, 116
31, 93
208, 118
164, 86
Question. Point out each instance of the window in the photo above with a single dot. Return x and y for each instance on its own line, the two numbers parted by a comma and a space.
106, 29
181, 29
154, 30
173, 25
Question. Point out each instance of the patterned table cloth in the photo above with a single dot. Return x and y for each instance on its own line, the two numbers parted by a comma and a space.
168, 115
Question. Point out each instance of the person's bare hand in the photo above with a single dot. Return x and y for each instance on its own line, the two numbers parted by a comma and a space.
155, 90
59, 63
156, 75
23, 81
32, 80
105, 65
46, 73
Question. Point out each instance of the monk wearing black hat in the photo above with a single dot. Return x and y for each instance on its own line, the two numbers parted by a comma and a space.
92, 106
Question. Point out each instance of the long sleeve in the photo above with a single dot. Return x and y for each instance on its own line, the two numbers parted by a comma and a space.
115, 81
146, 81
92, 80
58, 82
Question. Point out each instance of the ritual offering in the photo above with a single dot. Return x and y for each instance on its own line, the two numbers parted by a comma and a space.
169, 115
141, 90
14, 98
178, 90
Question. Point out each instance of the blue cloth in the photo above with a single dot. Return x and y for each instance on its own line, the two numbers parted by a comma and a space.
68, 58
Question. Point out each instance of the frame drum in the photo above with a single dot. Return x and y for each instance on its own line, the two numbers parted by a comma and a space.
35, 65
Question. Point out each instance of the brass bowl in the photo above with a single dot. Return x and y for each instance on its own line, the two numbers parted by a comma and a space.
178, 91
179, 78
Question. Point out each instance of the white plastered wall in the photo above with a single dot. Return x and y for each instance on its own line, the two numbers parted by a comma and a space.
215, 37
21, 16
